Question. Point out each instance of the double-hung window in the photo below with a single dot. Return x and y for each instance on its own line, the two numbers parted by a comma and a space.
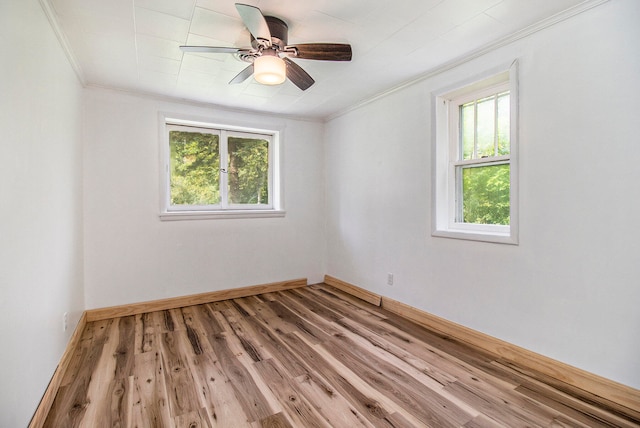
217, 171
475, 170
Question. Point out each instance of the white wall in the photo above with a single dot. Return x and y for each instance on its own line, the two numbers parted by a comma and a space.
570, 290
41, 207
132, 256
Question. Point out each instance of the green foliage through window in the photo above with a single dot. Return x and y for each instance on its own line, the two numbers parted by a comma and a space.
485, 194
195, 168
248, 169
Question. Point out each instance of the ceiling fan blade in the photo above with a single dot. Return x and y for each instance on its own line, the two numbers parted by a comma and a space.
297, 75
255, 22
243, 75
323, 51
211, 49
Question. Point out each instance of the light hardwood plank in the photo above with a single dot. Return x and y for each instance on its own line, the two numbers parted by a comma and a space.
252, 400
150, 407
297, 407
366, 401
195, 419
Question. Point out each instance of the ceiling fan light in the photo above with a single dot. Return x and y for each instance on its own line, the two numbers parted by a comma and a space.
269, 70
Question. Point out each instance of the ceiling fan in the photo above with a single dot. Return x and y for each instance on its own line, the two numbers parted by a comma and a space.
270, 55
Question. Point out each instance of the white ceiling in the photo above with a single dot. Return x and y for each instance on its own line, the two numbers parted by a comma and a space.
133, 45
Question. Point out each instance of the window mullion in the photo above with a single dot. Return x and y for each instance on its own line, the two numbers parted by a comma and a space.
475, 129
459, 195
224, 173
495, 125
483, 161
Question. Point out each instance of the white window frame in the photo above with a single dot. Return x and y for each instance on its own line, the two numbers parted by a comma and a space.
446, 185
274, 207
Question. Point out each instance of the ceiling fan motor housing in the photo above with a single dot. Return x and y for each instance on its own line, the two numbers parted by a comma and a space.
279, 33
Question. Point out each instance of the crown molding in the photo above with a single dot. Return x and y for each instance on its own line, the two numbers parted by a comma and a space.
62, 39
456, 62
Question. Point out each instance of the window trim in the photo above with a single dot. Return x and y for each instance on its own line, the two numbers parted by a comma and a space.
445, 158
224, 210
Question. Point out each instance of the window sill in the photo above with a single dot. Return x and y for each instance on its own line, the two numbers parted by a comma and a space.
471, 235
211, 215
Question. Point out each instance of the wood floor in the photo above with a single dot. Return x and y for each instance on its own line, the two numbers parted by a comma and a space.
309, 357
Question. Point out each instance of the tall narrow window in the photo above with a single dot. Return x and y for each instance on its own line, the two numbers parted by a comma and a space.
475, 176
211, 171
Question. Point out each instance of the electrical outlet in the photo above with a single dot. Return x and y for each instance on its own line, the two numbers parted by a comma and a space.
389, 279
65, 321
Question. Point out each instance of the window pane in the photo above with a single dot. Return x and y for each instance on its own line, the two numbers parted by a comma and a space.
467, 130
248, 171
504, 146
195, 166
485, 126
485, 194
